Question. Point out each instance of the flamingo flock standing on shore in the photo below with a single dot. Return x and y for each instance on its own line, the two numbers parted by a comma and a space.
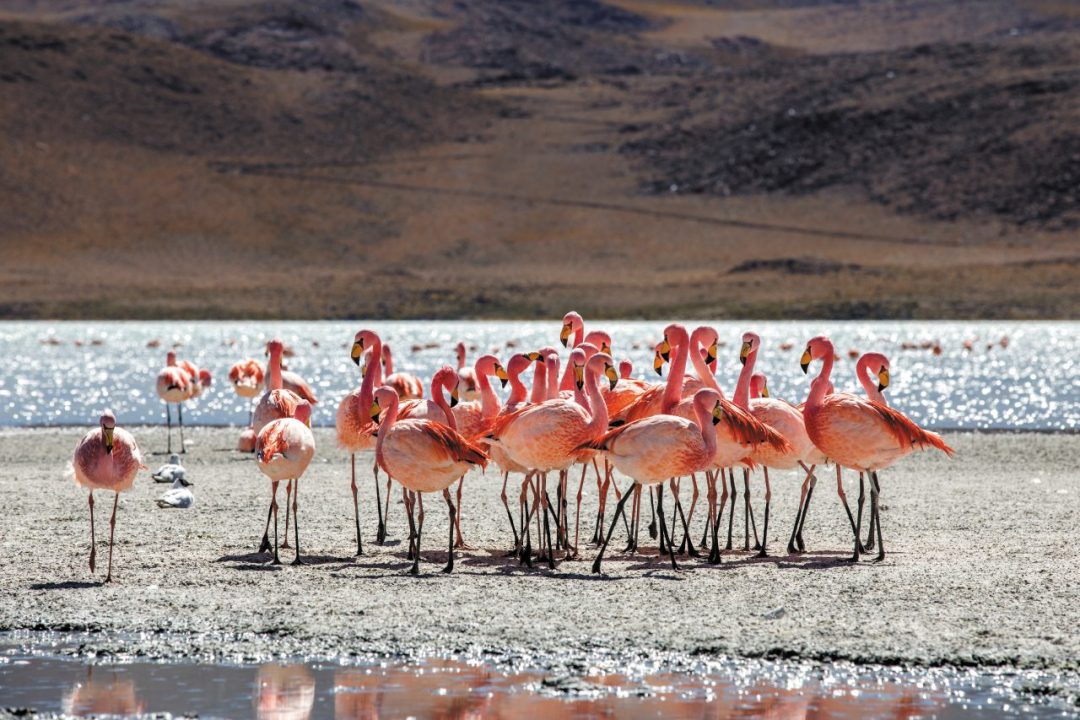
589, 412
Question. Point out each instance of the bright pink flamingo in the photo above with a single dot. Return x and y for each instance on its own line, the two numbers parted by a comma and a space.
876, 365
863, 435
470, 389
518, 364
173, 386
406, 385
283, 451
424, 456
277, 402
786, 419
107, 458
655, 449
547, 436
355, 430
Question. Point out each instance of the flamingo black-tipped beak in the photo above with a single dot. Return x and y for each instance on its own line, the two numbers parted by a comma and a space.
710, 354
454, 397
375, 410
501, 374
564, 336
612, 376
744, 353
107, 434
804, 361
764, 391
357, 352
883, 379
658, 364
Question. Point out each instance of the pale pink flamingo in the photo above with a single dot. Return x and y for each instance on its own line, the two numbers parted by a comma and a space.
863, 435
173, 386
424, 456
470, 390
277, 402
247, 378
283, 451
655, 449
547, 436
518, 364
107, 458
355, 430
406, 385
876, 365
786, 419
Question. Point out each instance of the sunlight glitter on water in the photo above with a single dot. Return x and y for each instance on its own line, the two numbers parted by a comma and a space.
1017, 375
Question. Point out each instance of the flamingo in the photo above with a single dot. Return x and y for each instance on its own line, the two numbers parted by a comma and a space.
173, 386
277, 402
107, 458
470, 390
547, 436
785, 419
654, 449
407, 385
518, 364
876, 365
424, 456
355, 431
859, 434
247, 378
283, 451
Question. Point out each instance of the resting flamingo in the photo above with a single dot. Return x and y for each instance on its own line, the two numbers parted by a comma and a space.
283, 451
247, 378
546, 436
786, 419
470, 390
654, 449
173, 386
424, 456
107, 458
863, 435
406, 385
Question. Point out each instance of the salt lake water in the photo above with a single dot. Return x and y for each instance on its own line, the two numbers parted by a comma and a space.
1015, 376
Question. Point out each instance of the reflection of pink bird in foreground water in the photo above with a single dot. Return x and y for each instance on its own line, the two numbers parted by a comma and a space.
106, 459
862, 435
284, 693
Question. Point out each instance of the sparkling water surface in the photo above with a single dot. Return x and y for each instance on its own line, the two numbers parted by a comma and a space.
1017, 375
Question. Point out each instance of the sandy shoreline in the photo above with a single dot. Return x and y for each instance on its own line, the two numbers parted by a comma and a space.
981, 569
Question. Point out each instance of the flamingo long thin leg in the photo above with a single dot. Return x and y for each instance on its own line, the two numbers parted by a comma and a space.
274, 509
420, 531
859, 511
460, 544
356, 506
614, 521
806, 509
577, 515
687, 543
875, 505
748, 514
296, 520
412, 525
288, 510
734, 498
112, 535
663, 526
93, 542
264, 545
450, 547
851, 518
652, 515
798, 515
168, 424
509, 515
386, 507
714, 520
763, 552
380, 532
180, 415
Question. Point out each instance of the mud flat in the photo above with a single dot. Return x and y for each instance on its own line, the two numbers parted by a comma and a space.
981, 569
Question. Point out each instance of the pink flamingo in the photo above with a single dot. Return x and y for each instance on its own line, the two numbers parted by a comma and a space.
107, 458
470, 389
547, 436
355, 430
786, 419
277, 402
173, 386
860, 434
424, 456
283, 451
407, 385
247, 378
514, 368
654, 449
876, 365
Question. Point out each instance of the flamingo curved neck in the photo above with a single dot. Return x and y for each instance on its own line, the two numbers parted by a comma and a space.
275, 371
539, 387
552, 385
594, 404
489, 401
439, 399
517, 391
703, 372
705, 425
388, 361
367, 386
821, 385
742, 389
673, 390
863, 373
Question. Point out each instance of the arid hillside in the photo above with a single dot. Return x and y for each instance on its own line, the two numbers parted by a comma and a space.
513, 158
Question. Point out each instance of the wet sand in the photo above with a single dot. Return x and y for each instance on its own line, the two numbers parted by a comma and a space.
981, 568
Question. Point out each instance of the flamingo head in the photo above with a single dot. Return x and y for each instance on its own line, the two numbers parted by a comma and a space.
385, 400
571, 323
387, 355
363, 340
489, 365
205, 378
596, 363
108, 426
708, 340
446, 378
275, 348
519, 362
577, 361
707, 402
600, 339
663, 352
170, 358
459, 350
750, 344
675, 336
626, 368
818, 348
882, 364
758, 385
303, 412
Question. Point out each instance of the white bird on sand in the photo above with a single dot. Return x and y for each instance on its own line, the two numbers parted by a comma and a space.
170, 471
178, 496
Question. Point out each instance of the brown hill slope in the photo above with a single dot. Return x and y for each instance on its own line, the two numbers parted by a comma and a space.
430, 158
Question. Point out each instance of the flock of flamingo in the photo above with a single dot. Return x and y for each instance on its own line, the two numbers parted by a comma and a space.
589, 413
